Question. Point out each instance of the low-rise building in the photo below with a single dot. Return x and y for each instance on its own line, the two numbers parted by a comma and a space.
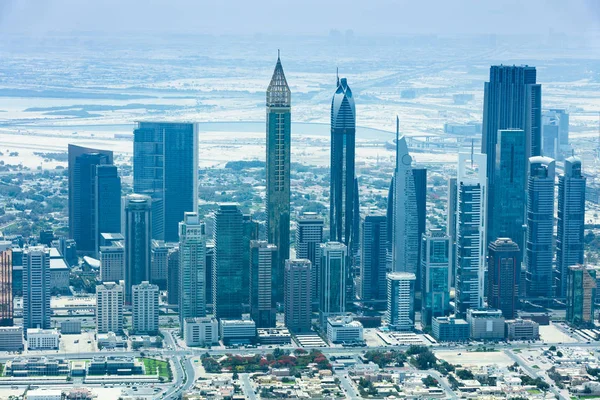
44, 394
11, 338
59, 272
274, 336
450, 329
38, 366
201, 331
343, 329
115, 366
522, 329
70, 327
42, 339
238, 330
110, 341
487, 324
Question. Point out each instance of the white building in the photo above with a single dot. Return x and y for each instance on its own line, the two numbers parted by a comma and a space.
343, 329
112, 262
44, 394
400, 314
522, 329
486, 324
145, 308
238, 330
42, 339
203, 331
11, 338
109, 308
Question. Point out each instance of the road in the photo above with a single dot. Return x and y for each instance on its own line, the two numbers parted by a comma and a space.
247, 387
534, 373
351, 392
449, 392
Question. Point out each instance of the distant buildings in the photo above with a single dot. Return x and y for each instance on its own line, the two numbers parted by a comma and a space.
6, 284
190, 261
486, 324
165, 167
107, 202
263, 263
309, 236
504, 269
298, 295
400, 314
555, 133
109, 308
138, 232
334, 256
436, 275
36, 288
373, 265
144, 308
581, 295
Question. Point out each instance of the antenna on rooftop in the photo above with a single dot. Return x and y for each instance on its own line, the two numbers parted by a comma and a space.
337, 75
472, 152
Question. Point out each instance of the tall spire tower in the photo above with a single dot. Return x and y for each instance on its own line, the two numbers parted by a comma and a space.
279, 126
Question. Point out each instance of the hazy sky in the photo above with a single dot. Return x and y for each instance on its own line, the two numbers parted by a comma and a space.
301, 16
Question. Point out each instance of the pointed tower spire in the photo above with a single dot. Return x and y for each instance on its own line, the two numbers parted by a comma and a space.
337, 76
277, 54
278, 92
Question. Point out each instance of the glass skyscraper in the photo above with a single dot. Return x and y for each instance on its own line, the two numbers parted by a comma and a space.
107, 202
138, 241
309, 236
262, 264
435, 275
581, 294
373, 265
334, 256
36, 288
504, 269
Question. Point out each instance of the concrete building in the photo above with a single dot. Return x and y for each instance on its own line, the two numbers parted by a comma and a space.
263, 262
112, 262
373, 259
334, 256
450, 329
145, 308
159, 256
342, 329
70, 327
486, 324
44, 394
192, 268
436, 275
115, 366
173, 283
581, 295
59, 273
400, 314
202, 331
42, 339
309, 236
36, 288
36, 366
522, 329
11, 338
138, 236
109, 308
298, 295
6, 284
504, 270
237, 330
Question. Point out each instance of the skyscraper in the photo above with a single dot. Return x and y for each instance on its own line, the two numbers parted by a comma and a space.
250, 230
159, 258
107, 202
36, 288
309, 236
144, 308
451, 225
334, 256
112, 262
109, 308
512, 100
581, 295
571, 219
557, 120
165, 167
470, 231
420, 177
400, 314
138, 233
279, 125
192, 268
298, 295
173, 284
263, 261
435, 269
83, 195
540, 227
504, 269
373, 266
6, 283
228, 283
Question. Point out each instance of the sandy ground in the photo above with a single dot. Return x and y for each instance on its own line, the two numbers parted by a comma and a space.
474, 358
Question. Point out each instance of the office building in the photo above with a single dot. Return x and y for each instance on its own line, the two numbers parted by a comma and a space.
450, 329
228, 262
555, 133
201, 331
471, 227
6, 284
237, 330
279, 127
159, 259
42, 339
192, 266
138, 239
522, 329
165, 167
36, 366
145, 308
107, 202
571, 220
209, 256
435, 281
486, 324
343, 329
373, 265
451, 224
173, 277
250, 231
334, 256
263, 262
309, 236
70, 327
11, 338
504, 269
298, 295
36, 288
400, 313
540, 227
109, 308
581, 295
420, 177
112, 262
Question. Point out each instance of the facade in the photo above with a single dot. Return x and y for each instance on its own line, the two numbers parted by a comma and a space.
373, 259
555, 126
145, 308
173, 283
228, 265
400, 314
165, 167
115, 366
159, 259
36, 288
420, 177
201, 331
237, 330
540, 227
581, 294
36, 366
471, 228
6, 284
279, 127
522, 329
571, 220
192, 268
263, 263
342, 329
309, 236
70, 327
138, 238
112, 262
486, 324
436, 251
59, 273
450, 329
11, 338
109, 308
334, 256
451, 224
250, 231
42, 339
45, 394
504, 269
298, 295
107, 202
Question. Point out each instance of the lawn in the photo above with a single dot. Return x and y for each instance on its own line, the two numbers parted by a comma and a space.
534, 391
151, 366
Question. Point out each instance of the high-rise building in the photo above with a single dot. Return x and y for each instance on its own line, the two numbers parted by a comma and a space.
6, 283
512, 100
309, 236
406, 218
470, 231
334, 256
83, 163
435, 269
144, 308
550, 138
556, 121
298, 295
192, 268
451, 225
209, 256
400, 314
112, 262
540, 227
250, 230
107, 202
373, 265
581, 295
263, 262
36, 288
138, 239
504, 269
228, 267
173, 277
420, 177
279, 126
571, 219
165, 167
159, 258
109, 308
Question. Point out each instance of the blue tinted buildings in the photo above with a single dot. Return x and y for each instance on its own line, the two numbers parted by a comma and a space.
504, 269
138, 241
435, 275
